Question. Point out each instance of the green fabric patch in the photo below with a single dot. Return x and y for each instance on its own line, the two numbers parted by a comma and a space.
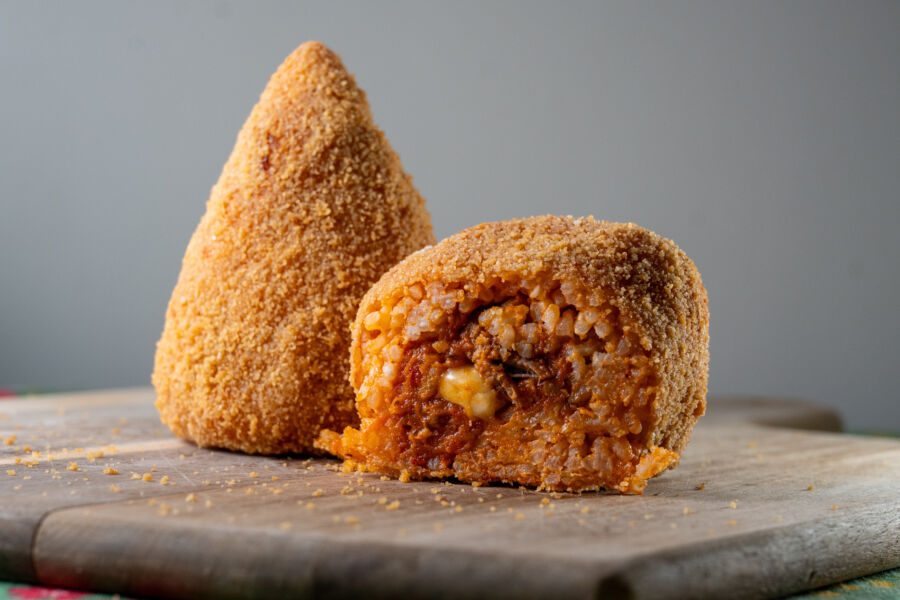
881, 586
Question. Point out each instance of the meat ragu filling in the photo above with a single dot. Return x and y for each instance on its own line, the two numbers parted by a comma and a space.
528, 387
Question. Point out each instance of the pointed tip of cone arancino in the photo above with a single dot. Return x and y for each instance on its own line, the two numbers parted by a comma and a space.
315, 53
313, 65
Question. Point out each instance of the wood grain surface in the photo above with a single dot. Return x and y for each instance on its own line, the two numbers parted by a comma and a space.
752, 511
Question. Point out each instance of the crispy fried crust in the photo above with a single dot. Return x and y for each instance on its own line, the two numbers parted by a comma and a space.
656, 293
311, 208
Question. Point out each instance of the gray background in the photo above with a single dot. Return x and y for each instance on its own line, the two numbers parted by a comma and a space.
763, 137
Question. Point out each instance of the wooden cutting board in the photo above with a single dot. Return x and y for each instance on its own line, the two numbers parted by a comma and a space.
753, 510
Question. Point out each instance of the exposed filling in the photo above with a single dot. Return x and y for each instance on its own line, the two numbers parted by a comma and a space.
464, 386
514, 383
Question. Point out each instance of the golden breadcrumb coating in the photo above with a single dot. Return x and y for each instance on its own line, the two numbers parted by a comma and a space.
567, 354
311, 208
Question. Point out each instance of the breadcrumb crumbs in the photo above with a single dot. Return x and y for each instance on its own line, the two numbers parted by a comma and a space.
191, 497
519, 516
208, 504
732, 522
459, 508
810, 488
687, 511
110, 471
11, 472
73, 466
114, 488
164, 480
585, 510
351, 520
545, 501
393, 505
702, 486
733, 505
147, 477
404, 476
254, 475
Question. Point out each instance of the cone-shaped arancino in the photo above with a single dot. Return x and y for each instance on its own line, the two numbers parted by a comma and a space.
311, 208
